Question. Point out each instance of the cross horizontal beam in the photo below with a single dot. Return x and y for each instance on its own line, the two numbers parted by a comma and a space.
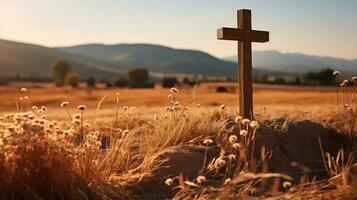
240, 35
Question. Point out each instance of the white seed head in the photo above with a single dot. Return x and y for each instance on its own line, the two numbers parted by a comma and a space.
174, 90
231, 157
236, 145
222, 107
354, 78
233, 139
64, 104
227, 181
170, 96
245, 121
336, 73
82, 107
254, 124
207, 141
243, 132
34, 108
220, 162
238, 119
44, 108
169, 181
287, 184
198, 105
23, 90
125, 108
201, 179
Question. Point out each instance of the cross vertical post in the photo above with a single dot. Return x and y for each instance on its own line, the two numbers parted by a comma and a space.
245, 36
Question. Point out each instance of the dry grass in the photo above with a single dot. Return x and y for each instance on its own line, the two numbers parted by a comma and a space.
107, 148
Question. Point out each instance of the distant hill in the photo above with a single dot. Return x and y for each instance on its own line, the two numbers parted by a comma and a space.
29, 60
156, 58
298, 63
110, 61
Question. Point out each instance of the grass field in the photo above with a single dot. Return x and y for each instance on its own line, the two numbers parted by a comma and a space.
145, 144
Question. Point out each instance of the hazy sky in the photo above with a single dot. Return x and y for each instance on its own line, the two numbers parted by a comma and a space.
319, 27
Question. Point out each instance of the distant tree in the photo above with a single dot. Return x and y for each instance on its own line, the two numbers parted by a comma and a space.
264, 78
138, 76
323, 77
169, 82
108, 84
185, 81
72, 80
103, 80
297, 80
279, 80
60, 70
91, 82
121, 82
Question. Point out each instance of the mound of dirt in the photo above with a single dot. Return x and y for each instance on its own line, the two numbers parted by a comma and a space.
295, 147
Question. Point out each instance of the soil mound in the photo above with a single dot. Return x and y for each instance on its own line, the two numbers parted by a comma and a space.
295, 146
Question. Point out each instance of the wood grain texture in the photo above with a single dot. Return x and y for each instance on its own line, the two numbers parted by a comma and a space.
245, 36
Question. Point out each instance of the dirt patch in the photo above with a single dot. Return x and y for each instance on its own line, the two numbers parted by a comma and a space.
294, 145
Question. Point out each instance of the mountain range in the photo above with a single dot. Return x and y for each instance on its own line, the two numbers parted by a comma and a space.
111, 61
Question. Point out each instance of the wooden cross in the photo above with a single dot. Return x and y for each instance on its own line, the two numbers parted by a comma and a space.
245, 36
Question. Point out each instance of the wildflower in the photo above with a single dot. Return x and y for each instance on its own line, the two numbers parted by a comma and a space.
133, 109
76, 122
117, 94
345, 82
26, 97
227, 181
23, 90
125, 108
236, 145
34, 108
44, 108
286, 184
254, 124
201, 179
238, 119
76, 116
354, 78
176, 103
207, 142
222, 107
198, 105
174, 90
243, 132
169, 181
156, 117
21, 98
81, 107
64, 104
220, 162
170, 96
126, 131
245, 121
231, 157
336, 73
233, 139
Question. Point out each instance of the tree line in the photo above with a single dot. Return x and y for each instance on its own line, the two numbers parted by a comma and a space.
139, 78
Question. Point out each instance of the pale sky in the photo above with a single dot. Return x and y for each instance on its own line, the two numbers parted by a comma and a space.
317, 27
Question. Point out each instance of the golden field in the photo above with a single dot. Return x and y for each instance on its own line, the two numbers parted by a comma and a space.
145, 144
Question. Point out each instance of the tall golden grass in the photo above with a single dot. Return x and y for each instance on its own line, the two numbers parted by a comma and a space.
90, 158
